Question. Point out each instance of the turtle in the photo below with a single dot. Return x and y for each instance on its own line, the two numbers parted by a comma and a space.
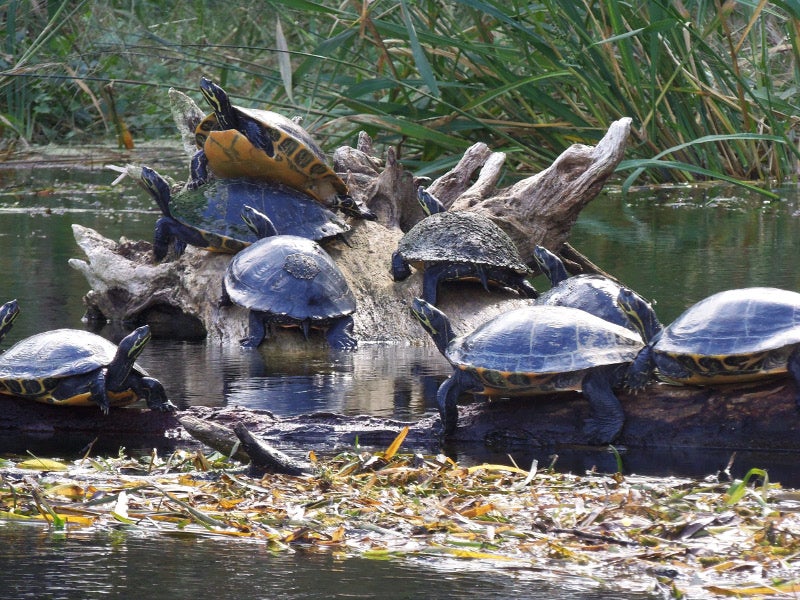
533, 350
209, 216
76, 367
234, 141
733, 336
460, 245
289, 281
596, 294
8, 313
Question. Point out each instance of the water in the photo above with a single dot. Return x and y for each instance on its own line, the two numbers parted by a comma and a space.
676, 249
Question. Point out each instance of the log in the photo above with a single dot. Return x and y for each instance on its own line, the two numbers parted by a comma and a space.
759, 416
180, 297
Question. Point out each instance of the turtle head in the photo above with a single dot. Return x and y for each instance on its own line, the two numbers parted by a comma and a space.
128, 350
550, 264
258, 222
640, 313
430, 204
8, 312
434, 321
220, 103
158, 187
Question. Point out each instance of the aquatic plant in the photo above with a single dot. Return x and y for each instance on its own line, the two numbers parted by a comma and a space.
690, 538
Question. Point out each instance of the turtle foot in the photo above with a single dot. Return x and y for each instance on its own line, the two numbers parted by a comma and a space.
601, 432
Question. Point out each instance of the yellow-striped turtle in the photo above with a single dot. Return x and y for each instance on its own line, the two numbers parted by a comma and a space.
534, 350
289, 281
235, 141
75, 367
733, 336
460, 245
209, 216
8, 313
596, 294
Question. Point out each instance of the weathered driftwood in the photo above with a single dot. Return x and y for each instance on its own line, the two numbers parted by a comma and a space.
126, 285
762, 416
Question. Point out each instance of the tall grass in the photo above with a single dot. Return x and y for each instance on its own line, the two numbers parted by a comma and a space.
711, 86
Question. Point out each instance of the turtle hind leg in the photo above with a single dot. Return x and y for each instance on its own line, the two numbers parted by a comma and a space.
257, 330
340, 334
607, 418
793, 366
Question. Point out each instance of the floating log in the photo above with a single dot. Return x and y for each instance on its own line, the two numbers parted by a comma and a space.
761, 416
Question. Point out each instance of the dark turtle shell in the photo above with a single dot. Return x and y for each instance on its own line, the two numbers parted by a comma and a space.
593, 293
289, 276
516, 351
733, 335
216, 208
34, 363
460, 237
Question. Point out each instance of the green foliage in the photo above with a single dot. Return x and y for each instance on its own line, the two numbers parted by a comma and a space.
431, 78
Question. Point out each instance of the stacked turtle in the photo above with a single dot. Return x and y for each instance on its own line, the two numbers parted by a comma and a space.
259, 188
257, 175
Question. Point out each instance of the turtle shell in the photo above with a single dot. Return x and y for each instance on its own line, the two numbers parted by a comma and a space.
32, 365
291, 278
733, 334
541, 348
593, 293
460, 237
296, 159
216, 208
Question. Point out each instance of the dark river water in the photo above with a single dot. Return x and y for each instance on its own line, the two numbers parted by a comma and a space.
675, 248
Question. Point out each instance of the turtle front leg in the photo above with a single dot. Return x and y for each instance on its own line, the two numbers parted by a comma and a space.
607, 418
793, 366
154, 394
447, 399
97, 391
400, 268
340, 334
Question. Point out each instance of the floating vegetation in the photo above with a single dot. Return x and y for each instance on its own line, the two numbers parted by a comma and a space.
683, 537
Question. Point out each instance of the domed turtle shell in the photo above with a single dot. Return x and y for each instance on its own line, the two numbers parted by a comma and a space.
518, 351
290, 277
533, 350
216, 208
733, 335
57, 367
460, 237
596, 294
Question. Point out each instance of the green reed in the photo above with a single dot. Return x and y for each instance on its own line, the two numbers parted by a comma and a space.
711, 86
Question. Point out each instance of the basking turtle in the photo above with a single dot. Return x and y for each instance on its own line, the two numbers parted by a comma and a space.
235, 141
8, 313
596, 294
289, 281
534, 350
733, 336
75, 367
460, 245
209, 216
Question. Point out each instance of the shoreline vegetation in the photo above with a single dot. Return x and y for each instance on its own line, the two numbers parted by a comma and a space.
711, 89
